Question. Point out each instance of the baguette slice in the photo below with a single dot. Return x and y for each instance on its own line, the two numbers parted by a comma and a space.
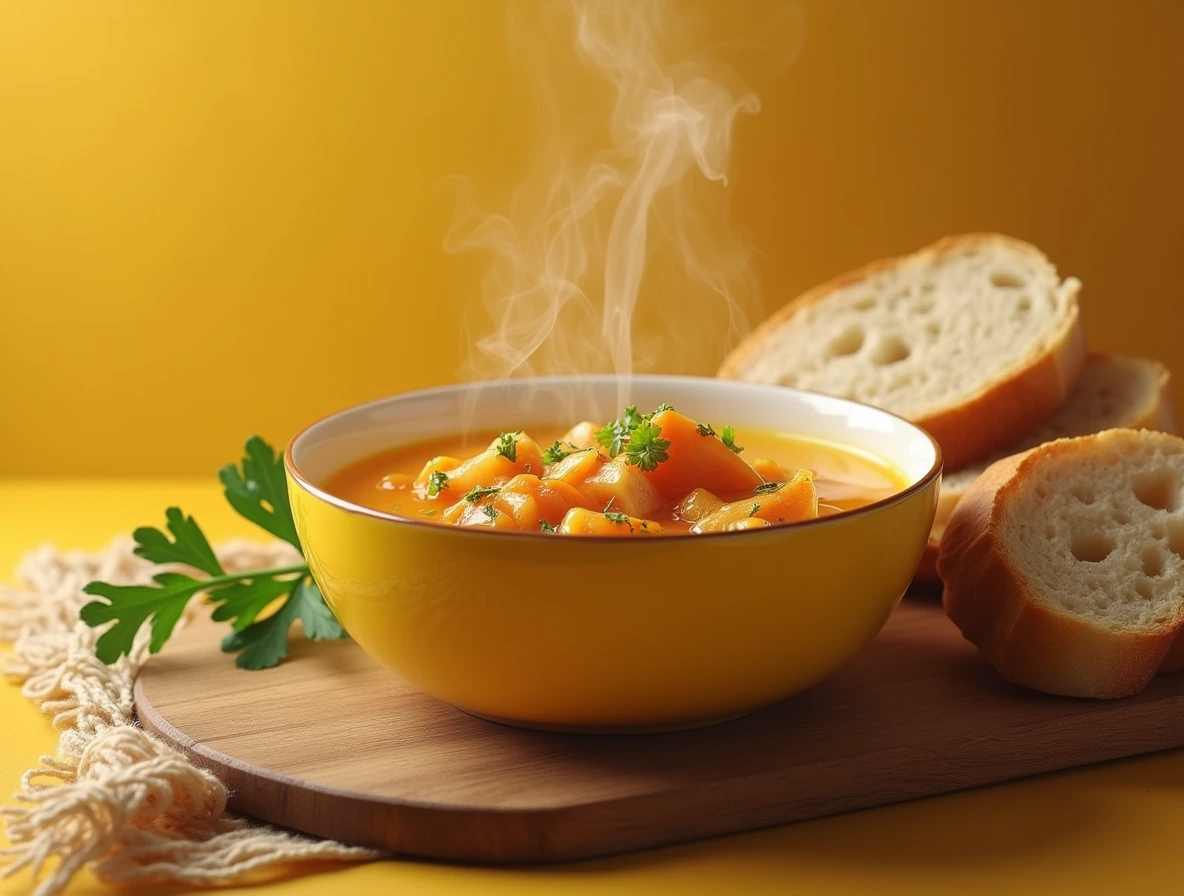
1113, 392
1064, 565
975, 338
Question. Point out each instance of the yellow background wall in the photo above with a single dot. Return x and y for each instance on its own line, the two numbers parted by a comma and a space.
225, 217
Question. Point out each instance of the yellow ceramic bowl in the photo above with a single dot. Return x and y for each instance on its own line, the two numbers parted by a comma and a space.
603, 633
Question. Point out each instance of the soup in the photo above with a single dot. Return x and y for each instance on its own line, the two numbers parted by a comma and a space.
653, 474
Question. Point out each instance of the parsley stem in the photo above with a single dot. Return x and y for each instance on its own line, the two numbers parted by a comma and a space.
214, 581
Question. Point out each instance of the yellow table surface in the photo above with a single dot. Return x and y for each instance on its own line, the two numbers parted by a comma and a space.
1111, 828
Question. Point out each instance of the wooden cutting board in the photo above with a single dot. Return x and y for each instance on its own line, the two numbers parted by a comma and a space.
332, 745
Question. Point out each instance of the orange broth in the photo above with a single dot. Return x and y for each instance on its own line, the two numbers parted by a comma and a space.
843, 478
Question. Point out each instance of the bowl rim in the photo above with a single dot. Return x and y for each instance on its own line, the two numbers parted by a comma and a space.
904, 494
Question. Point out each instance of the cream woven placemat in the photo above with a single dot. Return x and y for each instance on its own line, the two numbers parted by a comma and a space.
114, 798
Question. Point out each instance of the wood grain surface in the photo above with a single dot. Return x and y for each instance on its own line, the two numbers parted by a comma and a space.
333, 745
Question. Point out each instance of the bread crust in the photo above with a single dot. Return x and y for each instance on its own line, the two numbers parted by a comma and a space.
994, 604
1014, 404
1159, 415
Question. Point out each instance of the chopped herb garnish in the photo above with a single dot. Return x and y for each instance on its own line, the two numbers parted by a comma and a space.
766, 487
507, 445
705, 429
619, 434
556, 452
646, 448
729, 438
544, 526
754, 510
645, 524
620, 519
477, 492
437, 481
431, 511
490, 511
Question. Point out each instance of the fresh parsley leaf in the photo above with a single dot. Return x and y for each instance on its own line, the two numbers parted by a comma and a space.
478, 492
556, 452
259, 490
729, 438
766, 487
659, 409
646, 448
507, 445
130, 606
620, 519
754, 510
431, 511
490, 511
436, 482
544, 526
612, 437
705, 429
241, 602
615, 436
189, 545
161, 605
263, 644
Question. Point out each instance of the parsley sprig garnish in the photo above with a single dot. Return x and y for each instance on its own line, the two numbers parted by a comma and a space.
646, 448
436, 482
620, 519
257, 490
507, 445
557, 452
478, 492
728, 437
638, 437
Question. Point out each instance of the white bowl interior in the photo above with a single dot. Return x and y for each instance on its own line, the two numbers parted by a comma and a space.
352, 434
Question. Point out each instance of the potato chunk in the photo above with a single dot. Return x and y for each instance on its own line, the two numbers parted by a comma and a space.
698, 461
583, 435
589, 522
697, 505
492, 466
608, 484
793, 502
519, 504
769, 470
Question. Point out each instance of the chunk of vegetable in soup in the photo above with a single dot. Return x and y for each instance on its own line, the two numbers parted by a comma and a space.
649, 475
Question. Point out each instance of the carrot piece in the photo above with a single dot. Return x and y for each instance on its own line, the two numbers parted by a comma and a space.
588, 522
793, 502
698, 461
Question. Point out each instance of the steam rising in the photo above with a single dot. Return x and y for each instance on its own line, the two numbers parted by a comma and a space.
615, 254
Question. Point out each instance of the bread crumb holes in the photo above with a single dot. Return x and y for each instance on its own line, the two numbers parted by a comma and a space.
890, 350
1176, 537
1006, 280
1083, 493
1091, 547
1143, 588
1152, 562
1158, 489
846, 343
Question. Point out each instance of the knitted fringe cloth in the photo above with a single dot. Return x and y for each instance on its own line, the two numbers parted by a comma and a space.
115, 798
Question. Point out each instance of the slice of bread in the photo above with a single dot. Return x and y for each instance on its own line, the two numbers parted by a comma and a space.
1065, 564
1113, 392
974, 338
